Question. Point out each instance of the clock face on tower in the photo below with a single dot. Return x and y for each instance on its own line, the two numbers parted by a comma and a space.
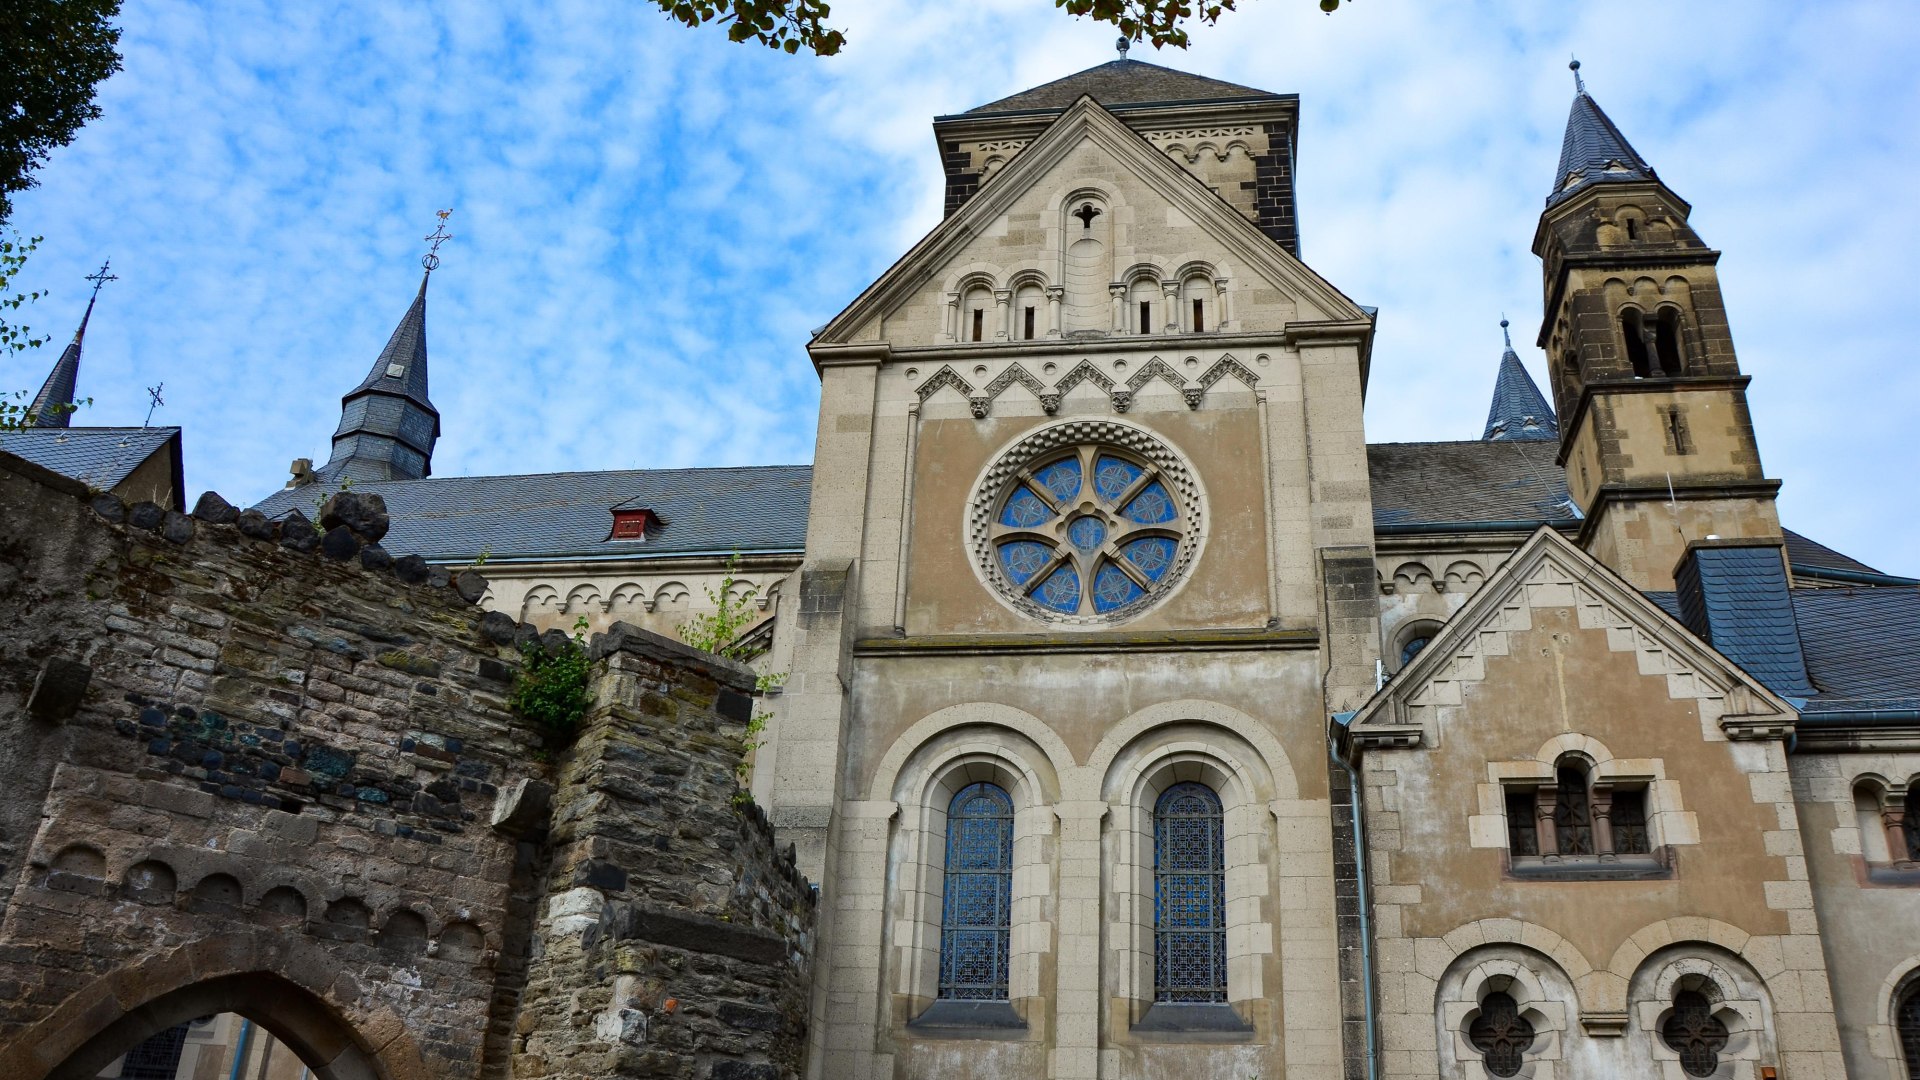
1085, 523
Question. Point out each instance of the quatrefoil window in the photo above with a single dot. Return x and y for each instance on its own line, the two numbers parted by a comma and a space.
1089, 532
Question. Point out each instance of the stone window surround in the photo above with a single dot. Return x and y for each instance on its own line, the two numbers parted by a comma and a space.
1883, 1036
1738, 998
1543, 1000
919, 859
1884, 824
1669, 824
1128, 852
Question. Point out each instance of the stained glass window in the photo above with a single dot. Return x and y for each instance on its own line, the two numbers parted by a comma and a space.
1501, 1034
1908, 1021
1572, 813
1412, 649
976, 907
1189, 896
1629, 818
1693, 1032
1094, 532
158, 1058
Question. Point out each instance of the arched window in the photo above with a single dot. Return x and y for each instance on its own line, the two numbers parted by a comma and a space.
975, 912
1501, 1034
1189, 896
1908, 1022
1634, 330
1412, 648
1572, 811
1667, 343
1912, 826
1693, 1032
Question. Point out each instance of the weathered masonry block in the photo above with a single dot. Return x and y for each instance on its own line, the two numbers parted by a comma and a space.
268, 768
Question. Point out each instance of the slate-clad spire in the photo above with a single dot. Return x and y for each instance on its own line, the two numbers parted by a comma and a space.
388, 425
1519, 410
53, 405
1593, 150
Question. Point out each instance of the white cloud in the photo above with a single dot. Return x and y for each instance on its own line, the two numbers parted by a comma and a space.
651, 219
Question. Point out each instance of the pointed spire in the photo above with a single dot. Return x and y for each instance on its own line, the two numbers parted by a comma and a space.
1593, 150
53, 405
388, 424
1519, 411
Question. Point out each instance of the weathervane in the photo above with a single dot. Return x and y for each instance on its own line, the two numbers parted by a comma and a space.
1123, 44
1579, 84
154, 393
440, 235
101, 277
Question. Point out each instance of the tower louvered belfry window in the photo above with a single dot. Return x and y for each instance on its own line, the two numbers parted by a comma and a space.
1189, 896
1501, 1034
976, 909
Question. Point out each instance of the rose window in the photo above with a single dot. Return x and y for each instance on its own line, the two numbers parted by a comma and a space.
1087, 533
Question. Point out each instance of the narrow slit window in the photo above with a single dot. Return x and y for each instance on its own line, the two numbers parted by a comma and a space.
1029, 323
1667, 343
1629, 818
1146, 316
976, 905
1523, 831
979, 323
1189, 896
1633, 229
1199, 316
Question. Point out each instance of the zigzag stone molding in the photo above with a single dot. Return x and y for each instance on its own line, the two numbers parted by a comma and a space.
981, 403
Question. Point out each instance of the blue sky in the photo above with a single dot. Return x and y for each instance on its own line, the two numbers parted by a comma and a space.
649, 220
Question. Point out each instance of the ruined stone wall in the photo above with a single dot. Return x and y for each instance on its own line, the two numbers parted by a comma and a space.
259, 768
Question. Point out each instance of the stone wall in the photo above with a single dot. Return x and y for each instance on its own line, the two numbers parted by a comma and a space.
266, 769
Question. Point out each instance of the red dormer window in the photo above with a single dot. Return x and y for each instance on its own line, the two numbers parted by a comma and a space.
634, 524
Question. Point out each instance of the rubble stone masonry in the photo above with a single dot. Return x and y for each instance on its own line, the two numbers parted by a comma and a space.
268, 768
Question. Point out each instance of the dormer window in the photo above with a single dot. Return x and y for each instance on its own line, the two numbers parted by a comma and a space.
634, 523
394, 371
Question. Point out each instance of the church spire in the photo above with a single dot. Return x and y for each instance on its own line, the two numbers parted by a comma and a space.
1593, 150
53, 405
1519, 411
388, 424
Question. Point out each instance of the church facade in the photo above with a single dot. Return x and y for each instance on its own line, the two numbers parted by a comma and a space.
1141, 719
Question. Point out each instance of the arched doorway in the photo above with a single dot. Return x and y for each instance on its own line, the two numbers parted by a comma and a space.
297, 1019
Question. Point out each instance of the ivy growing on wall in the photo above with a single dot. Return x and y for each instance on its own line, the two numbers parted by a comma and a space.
721, 632
551, 689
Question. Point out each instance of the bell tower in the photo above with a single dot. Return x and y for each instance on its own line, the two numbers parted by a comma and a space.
1655, 434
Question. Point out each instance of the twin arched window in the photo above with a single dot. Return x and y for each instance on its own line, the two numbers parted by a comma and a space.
976, 912
1653, 343
1189, 896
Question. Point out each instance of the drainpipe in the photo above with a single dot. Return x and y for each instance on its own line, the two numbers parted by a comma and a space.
1360, 886
240, 1052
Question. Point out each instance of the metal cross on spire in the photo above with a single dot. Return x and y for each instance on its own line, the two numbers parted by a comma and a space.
439, 235
1579, 84
154, 393
101, 277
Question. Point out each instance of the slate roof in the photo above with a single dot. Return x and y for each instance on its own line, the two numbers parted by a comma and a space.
99, 457
407, 348
1122, 82
1736, 598
569, 515
1593, 151
1862, 646
1519, 410
1803, 553
63, 381
1438, 483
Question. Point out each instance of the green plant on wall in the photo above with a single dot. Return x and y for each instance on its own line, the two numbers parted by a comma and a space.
551, 689
721, 633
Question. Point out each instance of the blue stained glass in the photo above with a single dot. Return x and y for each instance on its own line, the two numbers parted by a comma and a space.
1113, 589
1153, 555
1062, 478
1152, 506
1087, 533
1113, 476
1022, 559
1189, 896
1061, 591
976, 911
1025, 510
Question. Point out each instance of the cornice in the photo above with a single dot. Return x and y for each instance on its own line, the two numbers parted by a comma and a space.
1097, 642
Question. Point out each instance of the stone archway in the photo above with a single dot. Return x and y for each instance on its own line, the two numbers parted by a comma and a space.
118, 1011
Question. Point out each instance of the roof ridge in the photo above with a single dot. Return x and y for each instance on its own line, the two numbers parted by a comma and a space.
1180, 87
362, 485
